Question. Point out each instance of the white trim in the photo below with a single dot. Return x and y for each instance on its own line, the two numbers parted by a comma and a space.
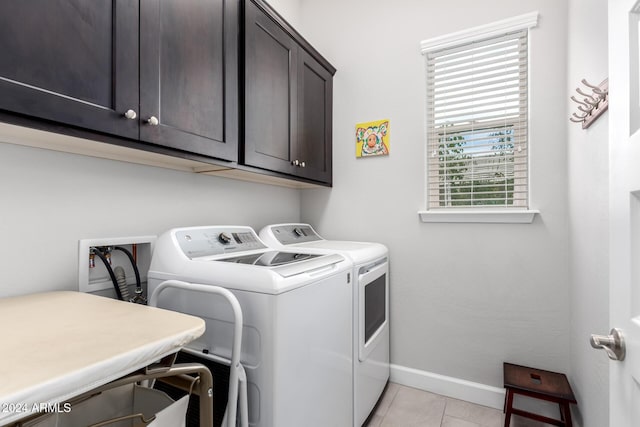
18, 135
479, 216
528, 20
456, 388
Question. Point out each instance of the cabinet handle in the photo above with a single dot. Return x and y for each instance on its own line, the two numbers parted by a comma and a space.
298, 163
153, 121
130, 114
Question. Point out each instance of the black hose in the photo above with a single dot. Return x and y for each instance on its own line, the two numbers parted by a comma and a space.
133, 264
111, 274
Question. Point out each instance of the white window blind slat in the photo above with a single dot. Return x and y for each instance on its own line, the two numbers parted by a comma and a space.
473, 111
491, 139
478, 188
492, 98
499, 86
478, 164
477, 115
468, 126
476, 80
477, 118
487, 55
476, 75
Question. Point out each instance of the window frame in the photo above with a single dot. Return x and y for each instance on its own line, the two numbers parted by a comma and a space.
482, 213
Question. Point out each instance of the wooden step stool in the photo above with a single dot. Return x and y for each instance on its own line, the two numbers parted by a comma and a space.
539, 384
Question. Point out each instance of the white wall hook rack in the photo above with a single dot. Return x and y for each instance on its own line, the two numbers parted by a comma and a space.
592, 105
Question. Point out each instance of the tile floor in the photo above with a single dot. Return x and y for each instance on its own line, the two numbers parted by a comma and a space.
402, 406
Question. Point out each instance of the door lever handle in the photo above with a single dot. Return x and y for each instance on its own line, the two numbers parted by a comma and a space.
613, 344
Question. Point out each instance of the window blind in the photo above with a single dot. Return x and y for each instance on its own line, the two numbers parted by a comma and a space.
477, 145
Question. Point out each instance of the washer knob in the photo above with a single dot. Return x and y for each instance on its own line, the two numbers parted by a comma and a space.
224, 238
298, 232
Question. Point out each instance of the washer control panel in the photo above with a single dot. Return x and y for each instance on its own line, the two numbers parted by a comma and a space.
207, 241
289, 234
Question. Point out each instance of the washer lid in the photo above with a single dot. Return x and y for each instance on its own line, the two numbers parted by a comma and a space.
285, 236
269, 259
338, 245
285, 263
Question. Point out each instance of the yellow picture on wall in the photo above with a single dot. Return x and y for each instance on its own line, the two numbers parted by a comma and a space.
372, 138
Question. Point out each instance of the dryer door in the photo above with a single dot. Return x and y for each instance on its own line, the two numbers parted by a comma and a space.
373, 306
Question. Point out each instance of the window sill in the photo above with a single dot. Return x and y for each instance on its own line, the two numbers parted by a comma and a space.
480, 216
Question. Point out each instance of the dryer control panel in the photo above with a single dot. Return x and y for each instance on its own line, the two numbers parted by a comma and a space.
199, 242
289, 234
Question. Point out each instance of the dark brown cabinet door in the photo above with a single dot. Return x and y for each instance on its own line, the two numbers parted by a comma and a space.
189, 75
270, 93
315, 93
288, 99
71, 61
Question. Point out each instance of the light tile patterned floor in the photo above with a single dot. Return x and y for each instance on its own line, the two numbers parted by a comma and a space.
402, 406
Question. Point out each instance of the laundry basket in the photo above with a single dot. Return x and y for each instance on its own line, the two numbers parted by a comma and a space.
125, 406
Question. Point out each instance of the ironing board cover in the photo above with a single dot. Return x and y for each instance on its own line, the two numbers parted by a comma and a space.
58, 345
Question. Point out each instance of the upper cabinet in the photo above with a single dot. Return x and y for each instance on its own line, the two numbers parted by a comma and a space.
163, 72
315, 106
189, 75
288, 99
205, 80
71, 61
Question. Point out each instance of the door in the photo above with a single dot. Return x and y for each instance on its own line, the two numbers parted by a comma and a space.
188, 75
71, 61
624, 215
315, 93
271, 57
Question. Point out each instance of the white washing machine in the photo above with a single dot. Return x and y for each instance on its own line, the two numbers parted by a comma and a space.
296, 345
370, 305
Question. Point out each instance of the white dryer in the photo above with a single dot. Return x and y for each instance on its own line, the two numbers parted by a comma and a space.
296, 349
370, 305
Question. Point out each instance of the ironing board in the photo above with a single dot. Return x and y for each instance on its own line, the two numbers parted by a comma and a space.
59, 345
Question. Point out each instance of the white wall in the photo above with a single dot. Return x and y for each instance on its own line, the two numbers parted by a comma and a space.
288, 9
465, 297
50, 200
588, 215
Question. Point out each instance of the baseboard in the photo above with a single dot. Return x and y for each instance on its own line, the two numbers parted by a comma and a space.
456, 388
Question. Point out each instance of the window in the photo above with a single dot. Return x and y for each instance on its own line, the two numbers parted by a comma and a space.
477, 117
